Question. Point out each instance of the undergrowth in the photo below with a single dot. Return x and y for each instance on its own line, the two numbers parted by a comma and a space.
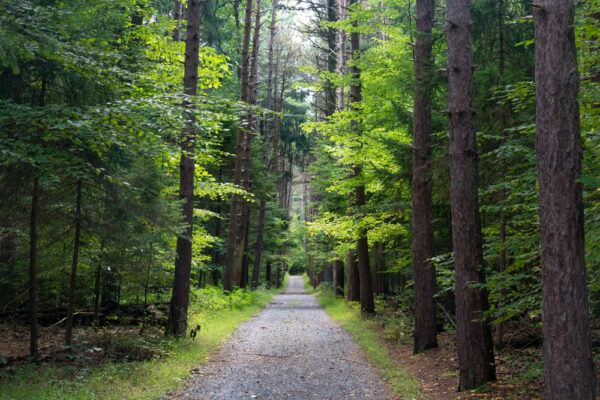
150, 365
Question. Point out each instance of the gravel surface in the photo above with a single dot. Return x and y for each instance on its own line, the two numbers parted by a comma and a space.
290, 350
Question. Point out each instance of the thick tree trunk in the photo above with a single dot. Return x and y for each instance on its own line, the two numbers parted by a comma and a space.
228, 273
72, 286
475, 348
422, 217
33, 283
177, 321
568, 362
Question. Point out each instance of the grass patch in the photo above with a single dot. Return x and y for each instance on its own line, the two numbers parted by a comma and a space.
150, 379
364, 331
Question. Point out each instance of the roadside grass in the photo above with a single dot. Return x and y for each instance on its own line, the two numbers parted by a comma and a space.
145, 380
364, 330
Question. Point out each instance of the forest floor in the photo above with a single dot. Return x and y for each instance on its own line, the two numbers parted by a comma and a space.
291, 350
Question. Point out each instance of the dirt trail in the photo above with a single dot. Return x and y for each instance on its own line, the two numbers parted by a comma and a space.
290, 350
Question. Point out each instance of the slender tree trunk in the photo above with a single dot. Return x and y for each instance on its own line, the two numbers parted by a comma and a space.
177, 321
422, 225
228, 273
97, 283
353, 293
268, 274
72, 286
362, 246
278, 277
499, 329
178, 17
146, 285
475, 348
341, 57
33, 283
252, 124
265, 153
568, 361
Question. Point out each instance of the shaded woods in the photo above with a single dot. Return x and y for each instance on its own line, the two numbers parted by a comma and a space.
436, 162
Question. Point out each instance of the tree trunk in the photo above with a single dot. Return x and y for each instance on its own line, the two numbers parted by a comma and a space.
33, 283
71, 306
568, 362
338, 278
178, 17
475, 348
353, 293
379, 275
341, 58
265, 151
228, 273
362, 246
422, 225
499, 329
97, 281
277, 277
146, 285
268, 274
177, 321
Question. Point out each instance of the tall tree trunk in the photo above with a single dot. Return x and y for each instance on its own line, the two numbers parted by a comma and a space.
265, 151
341, 55
228, 273
33, 282
253, 125
499, 329
475, 348
177, 321
362, 246
568, 362
72, 286
422, 225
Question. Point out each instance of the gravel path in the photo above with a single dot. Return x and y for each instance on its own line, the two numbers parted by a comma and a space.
290, 350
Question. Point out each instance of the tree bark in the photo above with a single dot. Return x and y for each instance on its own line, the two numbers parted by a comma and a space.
367, 304
338, 278
475, 347
353, 292
499, 329
228, 273
33, 282
72, 286
341, 56
568, 362
425, 335
177, 320
178, 17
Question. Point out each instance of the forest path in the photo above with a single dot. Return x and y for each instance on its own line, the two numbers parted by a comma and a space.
292, 349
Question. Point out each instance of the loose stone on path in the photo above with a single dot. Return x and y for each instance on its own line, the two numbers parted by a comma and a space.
291, 350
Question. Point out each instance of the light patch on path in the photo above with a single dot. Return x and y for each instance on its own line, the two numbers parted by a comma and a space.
291, 350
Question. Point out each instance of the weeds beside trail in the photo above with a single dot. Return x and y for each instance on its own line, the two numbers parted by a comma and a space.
364, 331
218, 315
